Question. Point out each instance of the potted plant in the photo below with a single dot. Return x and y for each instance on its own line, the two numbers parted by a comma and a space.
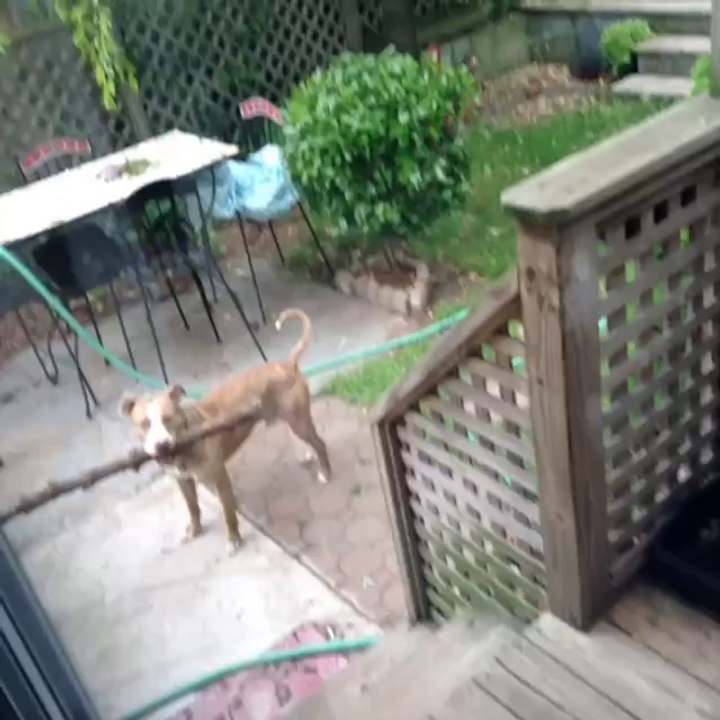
620, 42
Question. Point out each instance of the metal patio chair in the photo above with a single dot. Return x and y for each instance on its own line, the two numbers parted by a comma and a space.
80, 257
260, 124
166, 241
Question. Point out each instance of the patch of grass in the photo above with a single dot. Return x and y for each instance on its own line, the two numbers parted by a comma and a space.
482, 238
366, 384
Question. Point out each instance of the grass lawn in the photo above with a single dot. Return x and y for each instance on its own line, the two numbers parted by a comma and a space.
482, 237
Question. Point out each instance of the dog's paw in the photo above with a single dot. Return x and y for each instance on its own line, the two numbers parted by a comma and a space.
191, 532
323, 479
234, 544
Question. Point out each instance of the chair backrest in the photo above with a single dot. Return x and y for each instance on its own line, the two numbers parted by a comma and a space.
261, 122
53, 156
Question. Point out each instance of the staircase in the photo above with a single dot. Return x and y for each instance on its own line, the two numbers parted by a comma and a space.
665, 62
653, 659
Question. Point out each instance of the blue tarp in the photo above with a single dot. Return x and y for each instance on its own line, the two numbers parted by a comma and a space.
259, 188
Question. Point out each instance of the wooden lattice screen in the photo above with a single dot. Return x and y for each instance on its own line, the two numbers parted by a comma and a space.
463, 447
619, 305
660, 339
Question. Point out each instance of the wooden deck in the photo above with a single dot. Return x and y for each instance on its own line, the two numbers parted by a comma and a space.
651, 659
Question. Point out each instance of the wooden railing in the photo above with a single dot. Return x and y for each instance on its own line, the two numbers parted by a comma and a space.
533, 457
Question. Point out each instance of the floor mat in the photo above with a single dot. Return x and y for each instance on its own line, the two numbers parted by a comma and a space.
270, 692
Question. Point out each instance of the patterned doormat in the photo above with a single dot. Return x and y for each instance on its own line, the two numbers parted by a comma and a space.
270, 692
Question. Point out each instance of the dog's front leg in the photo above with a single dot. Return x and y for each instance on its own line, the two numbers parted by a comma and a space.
226, 495
189, 493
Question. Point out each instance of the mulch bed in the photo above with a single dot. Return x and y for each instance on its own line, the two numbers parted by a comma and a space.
534, 92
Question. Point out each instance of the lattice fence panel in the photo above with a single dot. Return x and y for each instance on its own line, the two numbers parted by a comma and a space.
195, 67
660, 335
469, 466
46, 91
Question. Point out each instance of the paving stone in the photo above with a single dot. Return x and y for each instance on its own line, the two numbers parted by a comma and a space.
331, 499
324, 532
359, 562
365, 529
293, 504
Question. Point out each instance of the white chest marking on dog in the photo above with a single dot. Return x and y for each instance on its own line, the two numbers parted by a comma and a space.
157, 434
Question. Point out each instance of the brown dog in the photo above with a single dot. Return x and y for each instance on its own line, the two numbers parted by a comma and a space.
282, 393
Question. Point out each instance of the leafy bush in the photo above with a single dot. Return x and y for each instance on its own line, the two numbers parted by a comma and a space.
375, 142
620, 42
702, 75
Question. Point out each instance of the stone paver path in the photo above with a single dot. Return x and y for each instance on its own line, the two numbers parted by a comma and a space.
340, 529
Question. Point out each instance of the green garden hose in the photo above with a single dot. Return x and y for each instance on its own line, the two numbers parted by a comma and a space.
272, 658
157, 384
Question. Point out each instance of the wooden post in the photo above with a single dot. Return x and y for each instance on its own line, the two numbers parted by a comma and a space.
715, 48
387, 452
353, 25
559, 293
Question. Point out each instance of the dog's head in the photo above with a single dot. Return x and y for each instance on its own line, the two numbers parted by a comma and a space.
158, 418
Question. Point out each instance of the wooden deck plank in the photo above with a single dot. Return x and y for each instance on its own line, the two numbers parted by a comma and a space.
522, 700
644, 684
471, 701
674, 631
565, 689
420, 683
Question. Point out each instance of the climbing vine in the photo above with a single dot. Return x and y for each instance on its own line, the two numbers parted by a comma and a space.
91, 22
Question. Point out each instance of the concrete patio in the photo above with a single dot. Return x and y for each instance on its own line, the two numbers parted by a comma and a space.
138, 612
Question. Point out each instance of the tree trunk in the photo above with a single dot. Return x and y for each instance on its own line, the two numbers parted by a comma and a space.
400, 26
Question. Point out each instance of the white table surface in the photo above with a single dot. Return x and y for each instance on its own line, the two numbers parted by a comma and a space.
81, 191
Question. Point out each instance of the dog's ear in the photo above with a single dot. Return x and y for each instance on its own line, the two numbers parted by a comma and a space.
126, 405
177, 392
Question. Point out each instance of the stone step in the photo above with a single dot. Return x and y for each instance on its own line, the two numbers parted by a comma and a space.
671, 54
653, 86
665, 16
412, 674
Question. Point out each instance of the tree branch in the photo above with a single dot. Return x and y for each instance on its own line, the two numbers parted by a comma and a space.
134, 460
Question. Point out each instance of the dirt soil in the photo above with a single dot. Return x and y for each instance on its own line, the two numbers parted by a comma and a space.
537, 91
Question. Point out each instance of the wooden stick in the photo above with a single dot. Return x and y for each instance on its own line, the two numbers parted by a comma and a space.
134, 460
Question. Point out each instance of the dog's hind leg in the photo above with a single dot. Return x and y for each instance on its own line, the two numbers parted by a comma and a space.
189, 493
304, 428
226, 495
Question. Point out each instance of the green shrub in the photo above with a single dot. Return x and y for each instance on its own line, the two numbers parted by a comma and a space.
620, 42
702, 75
376, 143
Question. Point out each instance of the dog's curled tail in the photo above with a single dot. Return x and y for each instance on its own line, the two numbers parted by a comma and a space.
302, 344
